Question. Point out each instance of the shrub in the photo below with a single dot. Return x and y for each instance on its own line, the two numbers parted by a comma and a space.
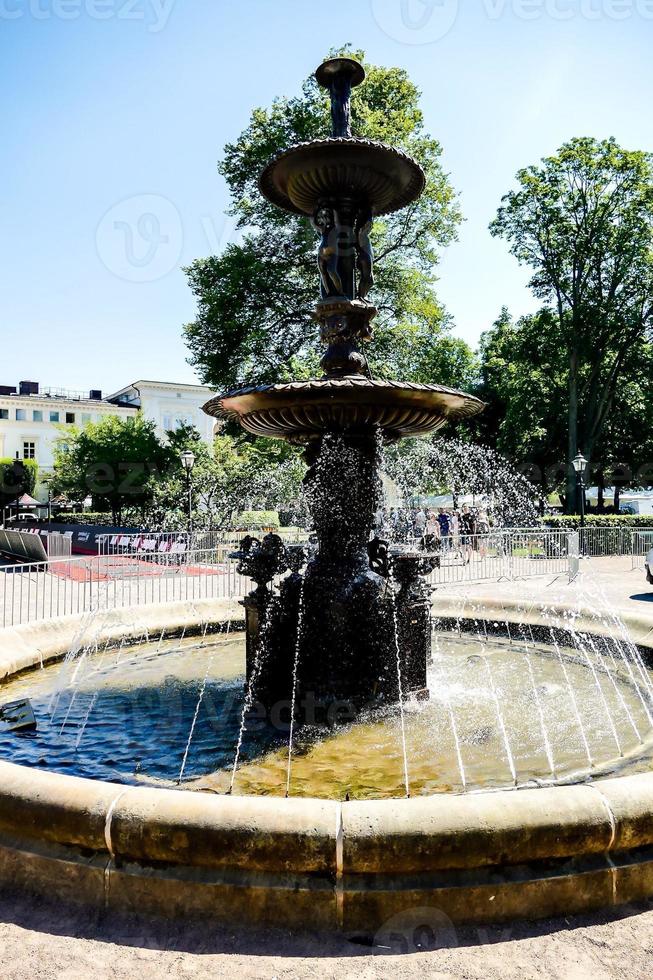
572, 521
257, 520
93, 518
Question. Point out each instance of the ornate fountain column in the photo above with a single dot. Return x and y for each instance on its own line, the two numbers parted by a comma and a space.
346, 647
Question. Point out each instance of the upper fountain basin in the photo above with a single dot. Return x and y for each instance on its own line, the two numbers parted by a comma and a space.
308, 175
304, 410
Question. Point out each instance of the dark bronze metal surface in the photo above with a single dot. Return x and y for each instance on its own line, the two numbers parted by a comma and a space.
323, 171
305, 410
340, 75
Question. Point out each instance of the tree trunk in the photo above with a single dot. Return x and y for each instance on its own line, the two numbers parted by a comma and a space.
572, 421
600, 500
617, 495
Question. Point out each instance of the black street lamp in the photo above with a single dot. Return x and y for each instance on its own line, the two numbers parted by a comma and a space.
580, 466
188, 462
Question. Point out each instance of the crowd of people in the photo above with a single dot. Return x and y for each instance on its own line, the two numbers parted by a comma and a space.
438, 530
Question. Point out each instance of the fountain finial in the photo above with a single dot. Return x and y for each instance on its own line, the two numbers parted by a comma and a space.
340, 75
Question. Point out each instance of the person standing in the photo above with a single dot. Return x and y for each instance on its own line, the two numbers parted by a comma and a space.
444, 521
419, 523
467, 531
482, 529
431, 540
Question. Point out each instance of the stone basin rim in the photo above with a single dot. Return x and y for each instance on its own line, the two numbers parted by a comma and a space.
486, 857
351, 149
307, 409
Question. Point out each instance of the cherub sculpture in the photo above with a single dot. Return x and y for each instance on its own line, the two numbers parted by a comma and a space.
326, 223
364, 253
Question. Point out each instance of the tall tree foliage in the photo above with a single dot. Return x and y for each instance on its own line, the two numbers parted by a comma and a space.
256, 299
231, 475
114, 461
523, 381
583, 220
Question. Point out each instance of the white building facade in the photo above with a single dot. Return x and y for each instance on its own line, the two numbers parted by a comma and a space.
169, 405
32, 419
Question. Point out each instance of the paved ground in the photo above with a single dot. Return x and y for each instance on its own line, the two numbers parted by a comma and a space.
41, 942
601, 580
38, 942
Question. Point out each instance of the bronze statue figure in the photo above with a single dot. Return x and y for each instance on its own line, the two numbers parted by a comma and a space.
326, 222
364, 254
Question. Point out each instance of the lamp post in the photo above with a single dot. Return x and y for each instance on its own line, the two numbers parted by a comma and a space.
580, 466
188, 462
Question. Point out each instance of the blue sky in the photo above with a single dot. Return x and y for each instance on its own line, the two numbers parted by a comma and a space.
115, 112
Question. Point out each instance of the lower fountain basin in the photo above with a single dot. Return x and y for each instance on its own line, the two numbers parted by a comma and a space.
304, 410
361, 867
499, 714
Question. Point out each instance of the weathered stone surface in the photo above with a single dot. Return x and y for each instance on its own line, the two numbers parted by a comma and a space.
249, 833
429, 833
294, 901
499, 897
47, 806
630, 800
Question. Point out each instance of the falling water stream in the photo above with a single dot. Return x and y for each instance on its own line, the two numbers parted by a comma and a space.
295, 667
259, 660
400, 687
200, 698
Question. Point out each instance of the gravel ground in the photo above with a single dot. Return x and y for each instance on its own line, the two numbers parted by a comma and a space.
41, 942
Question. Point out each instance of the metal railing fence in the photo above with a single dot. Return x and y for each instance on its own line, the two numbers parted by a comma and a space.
33, 591
501, 555
181, 542
641, 544
62, 586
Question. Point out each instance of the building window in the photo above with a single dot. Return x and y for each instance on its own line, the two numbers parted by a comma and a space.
167, 423
54, 416
4, 413
29, 450
21, 414
86, 418
70, 418
37, 415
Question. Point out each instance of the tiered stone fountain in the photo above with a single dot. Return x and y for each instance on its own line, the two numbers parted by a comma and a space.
349, 615
571, 683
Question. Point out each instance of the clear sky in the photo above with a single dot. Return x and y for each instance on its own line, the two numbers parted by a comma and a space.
114, 113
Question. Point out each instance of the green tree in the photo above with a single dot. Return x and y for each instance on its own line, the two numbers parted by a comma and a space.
256, 299
231, 475
17, 477
524, 382
583, 221
116, 461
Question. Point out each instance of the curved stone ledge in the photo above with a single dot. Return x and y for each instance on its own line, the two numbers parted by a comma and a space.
318, 863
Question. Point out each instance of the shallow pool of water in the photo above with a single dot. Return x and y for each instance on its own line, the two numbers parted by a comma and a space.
499, 714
